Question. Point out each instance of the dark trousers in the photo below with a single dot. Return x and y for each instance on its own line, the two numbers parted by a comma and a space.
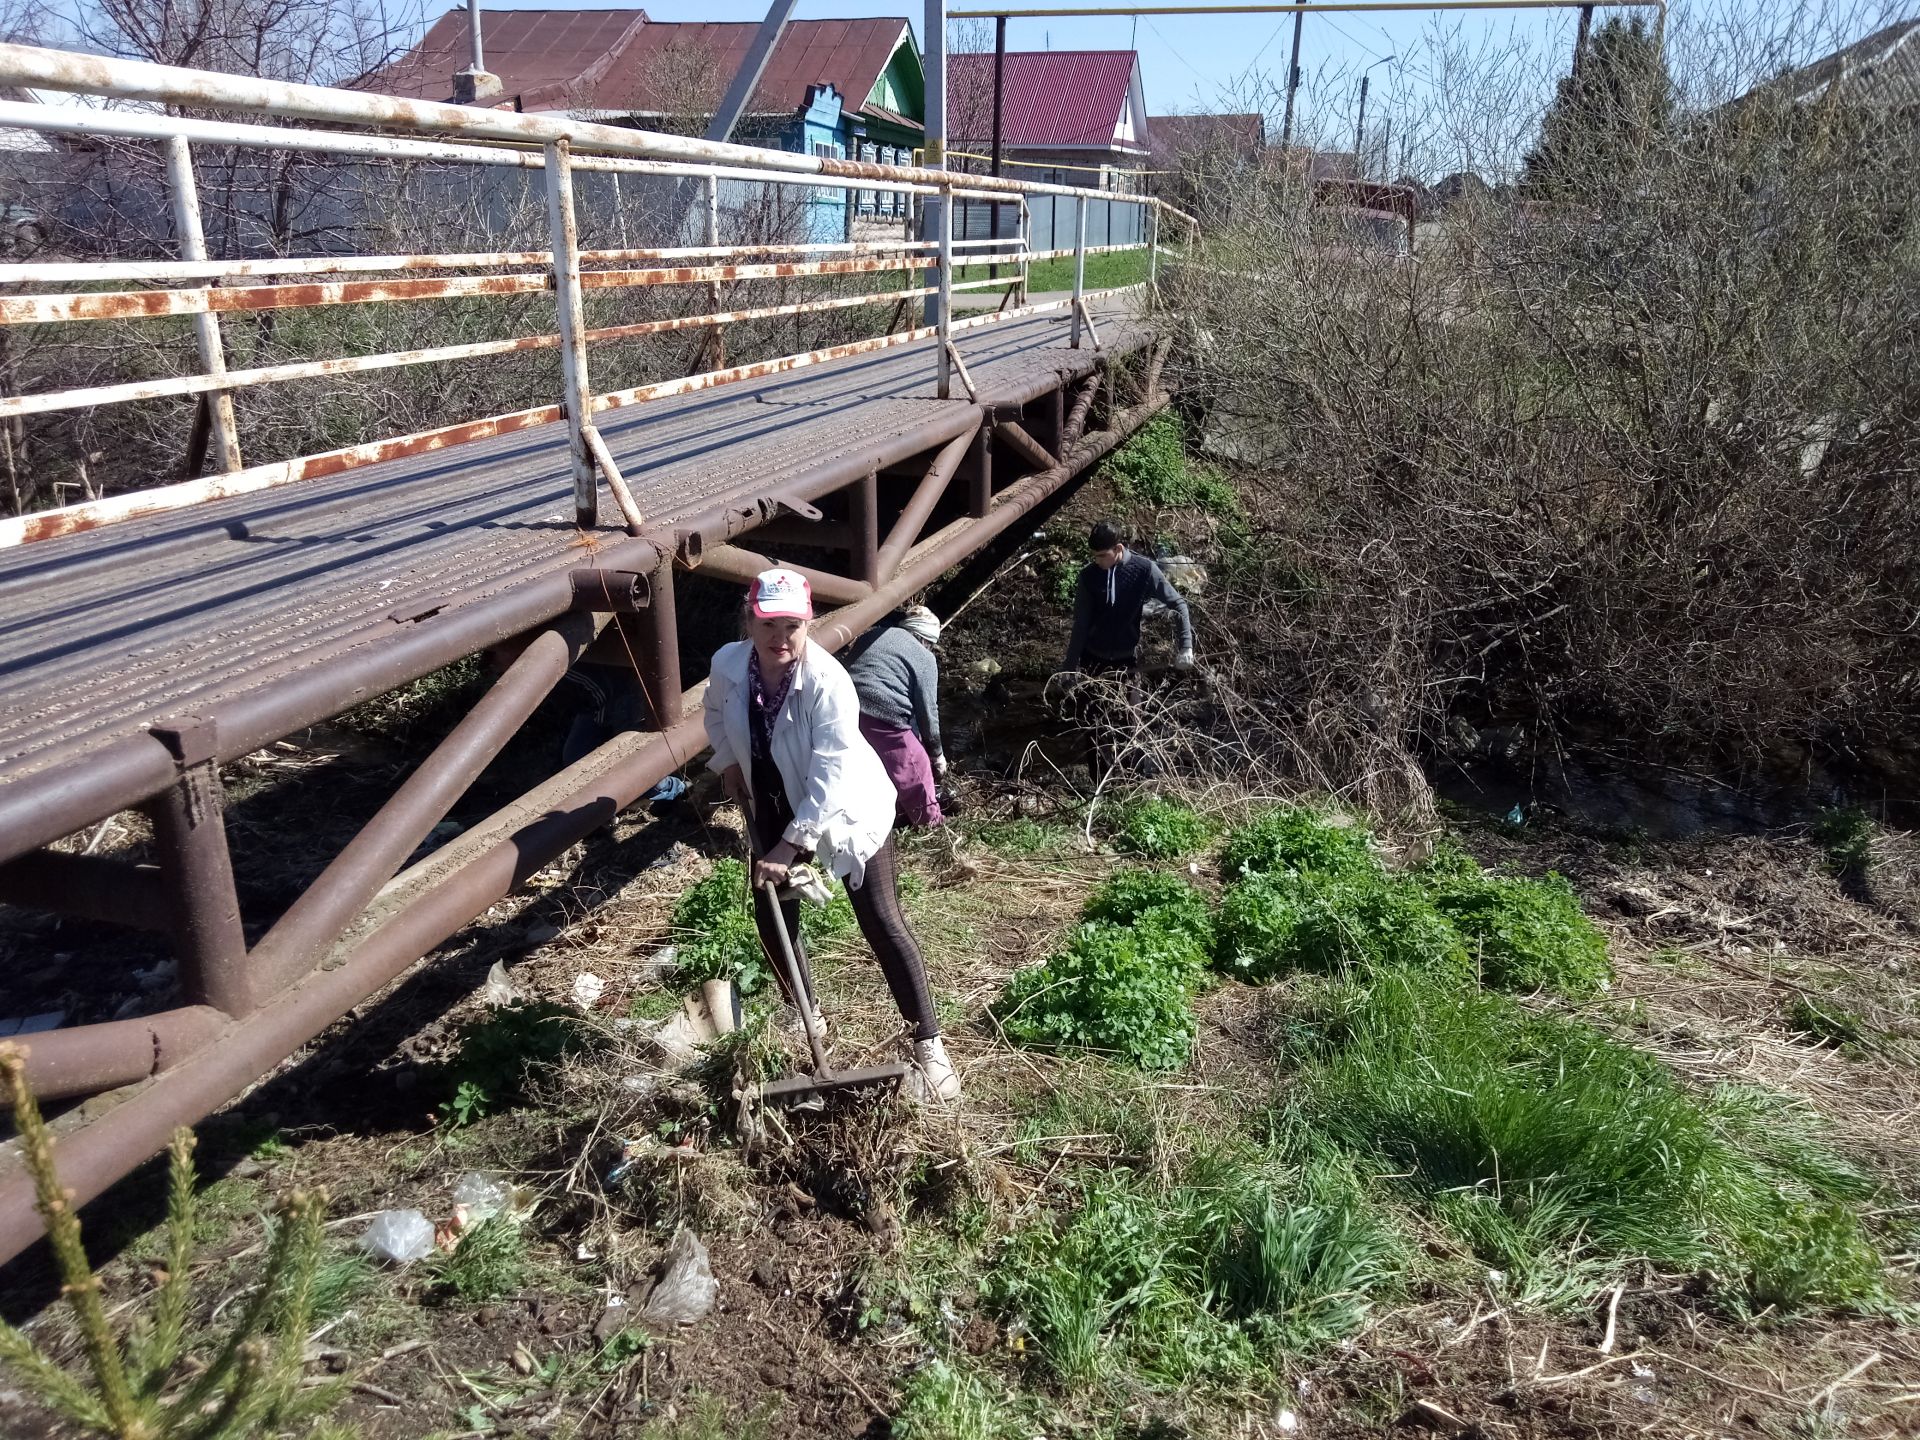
876, 908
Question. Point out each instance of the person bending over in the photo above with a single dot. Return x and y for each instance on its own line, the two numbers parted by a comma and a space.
785, 727
897, 678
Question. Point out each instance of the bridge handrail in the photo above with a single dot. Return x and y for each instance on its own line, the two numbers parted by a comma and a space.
475, 135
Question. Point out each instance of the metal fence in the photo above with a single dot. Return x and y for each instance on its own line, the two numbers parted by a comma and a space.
1043, 221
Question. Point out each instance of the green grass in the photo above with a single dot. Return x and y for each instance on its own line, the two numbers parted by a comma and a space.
953, 1400
1156, 828
1104, 272
1241, 1260
1022, 836
1587, 1147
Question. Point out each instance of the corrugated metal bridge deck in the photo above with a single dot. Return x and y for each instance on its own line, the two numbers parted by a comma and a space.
110, 630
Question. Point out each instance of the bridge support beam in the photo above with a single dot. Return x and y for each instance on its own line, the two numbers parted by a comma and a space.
190, 837
577, 401
657, 650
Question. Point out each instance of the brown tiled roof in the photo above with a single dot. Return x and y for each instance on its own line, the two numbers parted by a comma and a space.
1183, 134
613, 60
527, 49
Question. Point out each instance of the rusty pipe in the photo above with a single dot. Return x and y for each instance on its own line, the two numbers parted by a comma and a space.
925, 496
1014, 435
610, 592
57, 800
731, 562
342, 890
86, 1059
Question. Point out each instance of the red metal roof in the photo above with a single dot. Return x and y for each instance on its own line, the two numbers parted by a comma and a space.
1051, 97
618, 60
527, 49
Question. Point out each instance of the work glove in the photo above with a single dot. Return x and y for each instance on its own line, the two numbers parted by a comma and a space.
806, 882
1184, 660
940, 767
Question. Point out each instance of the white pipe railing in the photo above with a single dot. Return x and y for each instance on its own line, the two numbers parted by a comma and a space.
443, 134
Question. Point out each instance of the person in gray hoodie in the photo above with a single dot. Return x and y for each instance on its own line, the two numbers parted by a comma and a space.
1109, 598
897, 679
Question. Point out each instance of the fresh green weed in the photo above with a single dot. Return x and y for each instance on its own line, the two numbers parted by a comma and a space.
1845, 833
1294, 840
1156, 828
499, 1053
713, 928
488, 1261
1122, 985
1271, 925
1523, 934
1153, 468
1825, 1022
1022, 836
1105, 991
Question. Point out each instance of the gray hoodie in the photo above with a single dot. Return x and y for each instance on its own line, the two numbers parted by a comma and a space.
1107, 606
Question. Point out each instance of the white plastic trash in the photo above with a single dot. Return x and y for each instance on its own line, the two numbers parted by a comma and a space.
587, 989
478, 1197
401, 1236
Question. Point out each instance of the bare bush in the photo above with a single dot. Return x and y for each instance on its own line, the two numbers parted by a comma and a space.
1626, 458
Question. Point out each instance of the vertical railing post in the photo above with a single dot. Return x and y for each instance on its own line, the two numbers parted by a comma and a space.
192, 242
1026, 247
945, 318
713, 290
577, 400
1079, 263
1152, 226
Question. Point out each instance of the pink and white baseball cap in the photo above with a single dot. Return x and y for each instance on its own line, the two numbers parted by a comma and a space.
781, 592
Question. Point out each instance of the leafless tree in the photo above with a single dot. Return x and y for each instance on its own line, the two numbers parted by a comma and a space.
1631, 467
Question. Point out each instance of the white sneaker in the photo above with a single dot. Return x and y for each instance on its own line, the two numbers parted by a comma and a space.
936, 1074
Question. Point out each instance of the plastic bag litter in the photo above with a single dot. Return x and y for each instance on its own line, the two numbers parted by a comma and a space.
478, 1197
401, 1236
686, 1289
496, 989
587, 989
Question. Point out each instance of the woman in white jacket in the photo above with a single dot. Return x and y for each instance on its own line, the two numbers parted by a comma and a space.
785, 726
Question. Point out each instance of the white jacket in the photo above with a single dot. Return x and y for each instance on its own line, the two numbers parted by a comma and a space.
843, 803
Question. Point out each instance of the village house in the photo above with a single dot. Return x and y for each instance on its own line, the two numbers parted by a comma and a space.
852, 89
